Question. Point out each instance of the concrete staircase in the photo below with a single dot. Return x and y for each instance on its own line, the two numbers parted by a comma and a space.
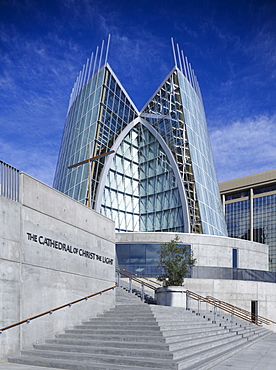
135, 335
197, 343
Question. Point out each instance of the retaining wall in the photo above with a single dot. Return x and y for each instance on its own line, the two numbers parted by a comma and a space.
53, 250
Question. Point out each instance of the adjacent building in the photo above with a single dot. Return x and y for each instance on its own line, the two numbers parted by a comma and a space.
250, 209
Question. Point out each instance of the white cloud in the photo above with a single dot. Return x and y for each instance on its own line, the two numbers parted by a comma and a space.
244, 147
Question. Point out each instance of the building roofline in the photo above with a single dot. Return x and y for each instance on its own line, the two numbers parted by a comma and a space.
107, 66
254, 181
159, 87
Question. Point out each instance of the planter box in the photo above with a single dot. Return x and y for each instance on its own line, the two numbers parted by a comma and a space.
171, 296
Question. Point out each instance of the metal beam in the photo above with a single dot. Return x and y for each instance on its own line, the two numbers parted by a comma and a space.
91, 159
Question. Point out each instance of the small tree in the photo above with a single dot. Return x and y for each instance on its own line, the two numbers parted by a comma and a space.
175, 261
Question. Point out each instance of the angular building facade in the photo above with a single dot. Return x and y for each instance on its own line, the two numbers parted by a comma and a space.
150, 170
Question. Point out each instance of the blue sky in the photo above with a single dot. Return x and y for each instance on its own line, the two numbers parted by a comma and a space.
230, 44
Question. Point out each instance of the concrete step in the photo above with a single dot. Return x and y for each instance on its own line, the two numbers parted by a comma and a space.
107, 337
123, 309
208, 346
199, 332
206, 343
121, 320
100, 343
146, 352
138, 336
192, 360
187, 342
84, 365
119, 332
127, 326
195, 336
138, 307
128, 315
186, 325
87, 358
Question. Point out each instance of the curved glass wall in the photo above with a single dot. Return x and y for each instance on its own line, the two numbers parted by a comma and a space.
206, 185
141, 192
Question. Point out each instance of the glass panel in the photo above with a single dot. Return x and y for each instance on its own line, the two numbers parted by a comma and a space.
140, 258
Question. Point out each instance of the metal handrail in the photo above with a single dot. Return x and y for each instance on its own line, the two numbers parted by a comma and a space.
119, 269
234, 310
227, 307
56, 309
261, 319
150, 286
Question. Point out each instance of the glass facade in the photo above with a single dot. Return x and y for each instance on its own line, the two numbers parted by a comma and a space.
237, 217
176, 112
80, 130
141, 192
251, 215
94, 121
264, 221
149, 171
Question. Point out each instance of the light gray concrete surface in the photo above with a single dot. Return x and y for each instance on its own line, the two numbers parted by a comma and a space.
53, 250
260, 355
209, 250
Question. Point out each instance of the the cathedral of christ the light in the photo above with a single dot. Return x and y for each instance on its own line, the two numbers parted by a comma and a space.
150, 170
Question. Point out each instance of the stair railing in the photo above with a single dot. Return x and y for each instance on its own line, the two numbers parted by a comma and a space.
231, 309
56, 309
119, 269
251, 316
131, 276
214, 302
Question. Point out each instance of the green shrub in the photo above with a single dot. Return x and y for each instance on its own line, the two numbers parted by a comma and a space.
176, 261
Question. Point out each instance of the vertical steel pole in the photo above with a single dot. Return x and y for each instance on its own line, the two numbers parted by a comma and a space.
215, 314
198, 307
174, 56
143, 292
118, 277
231, 322
107, 49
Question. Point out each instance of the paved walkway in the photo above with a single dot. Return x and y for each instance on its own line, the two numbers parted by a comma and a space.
258, 356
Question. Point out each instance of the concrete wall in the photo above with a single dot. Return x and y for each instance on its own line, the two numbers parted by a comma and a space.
49, 245
209, 250
239, 293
